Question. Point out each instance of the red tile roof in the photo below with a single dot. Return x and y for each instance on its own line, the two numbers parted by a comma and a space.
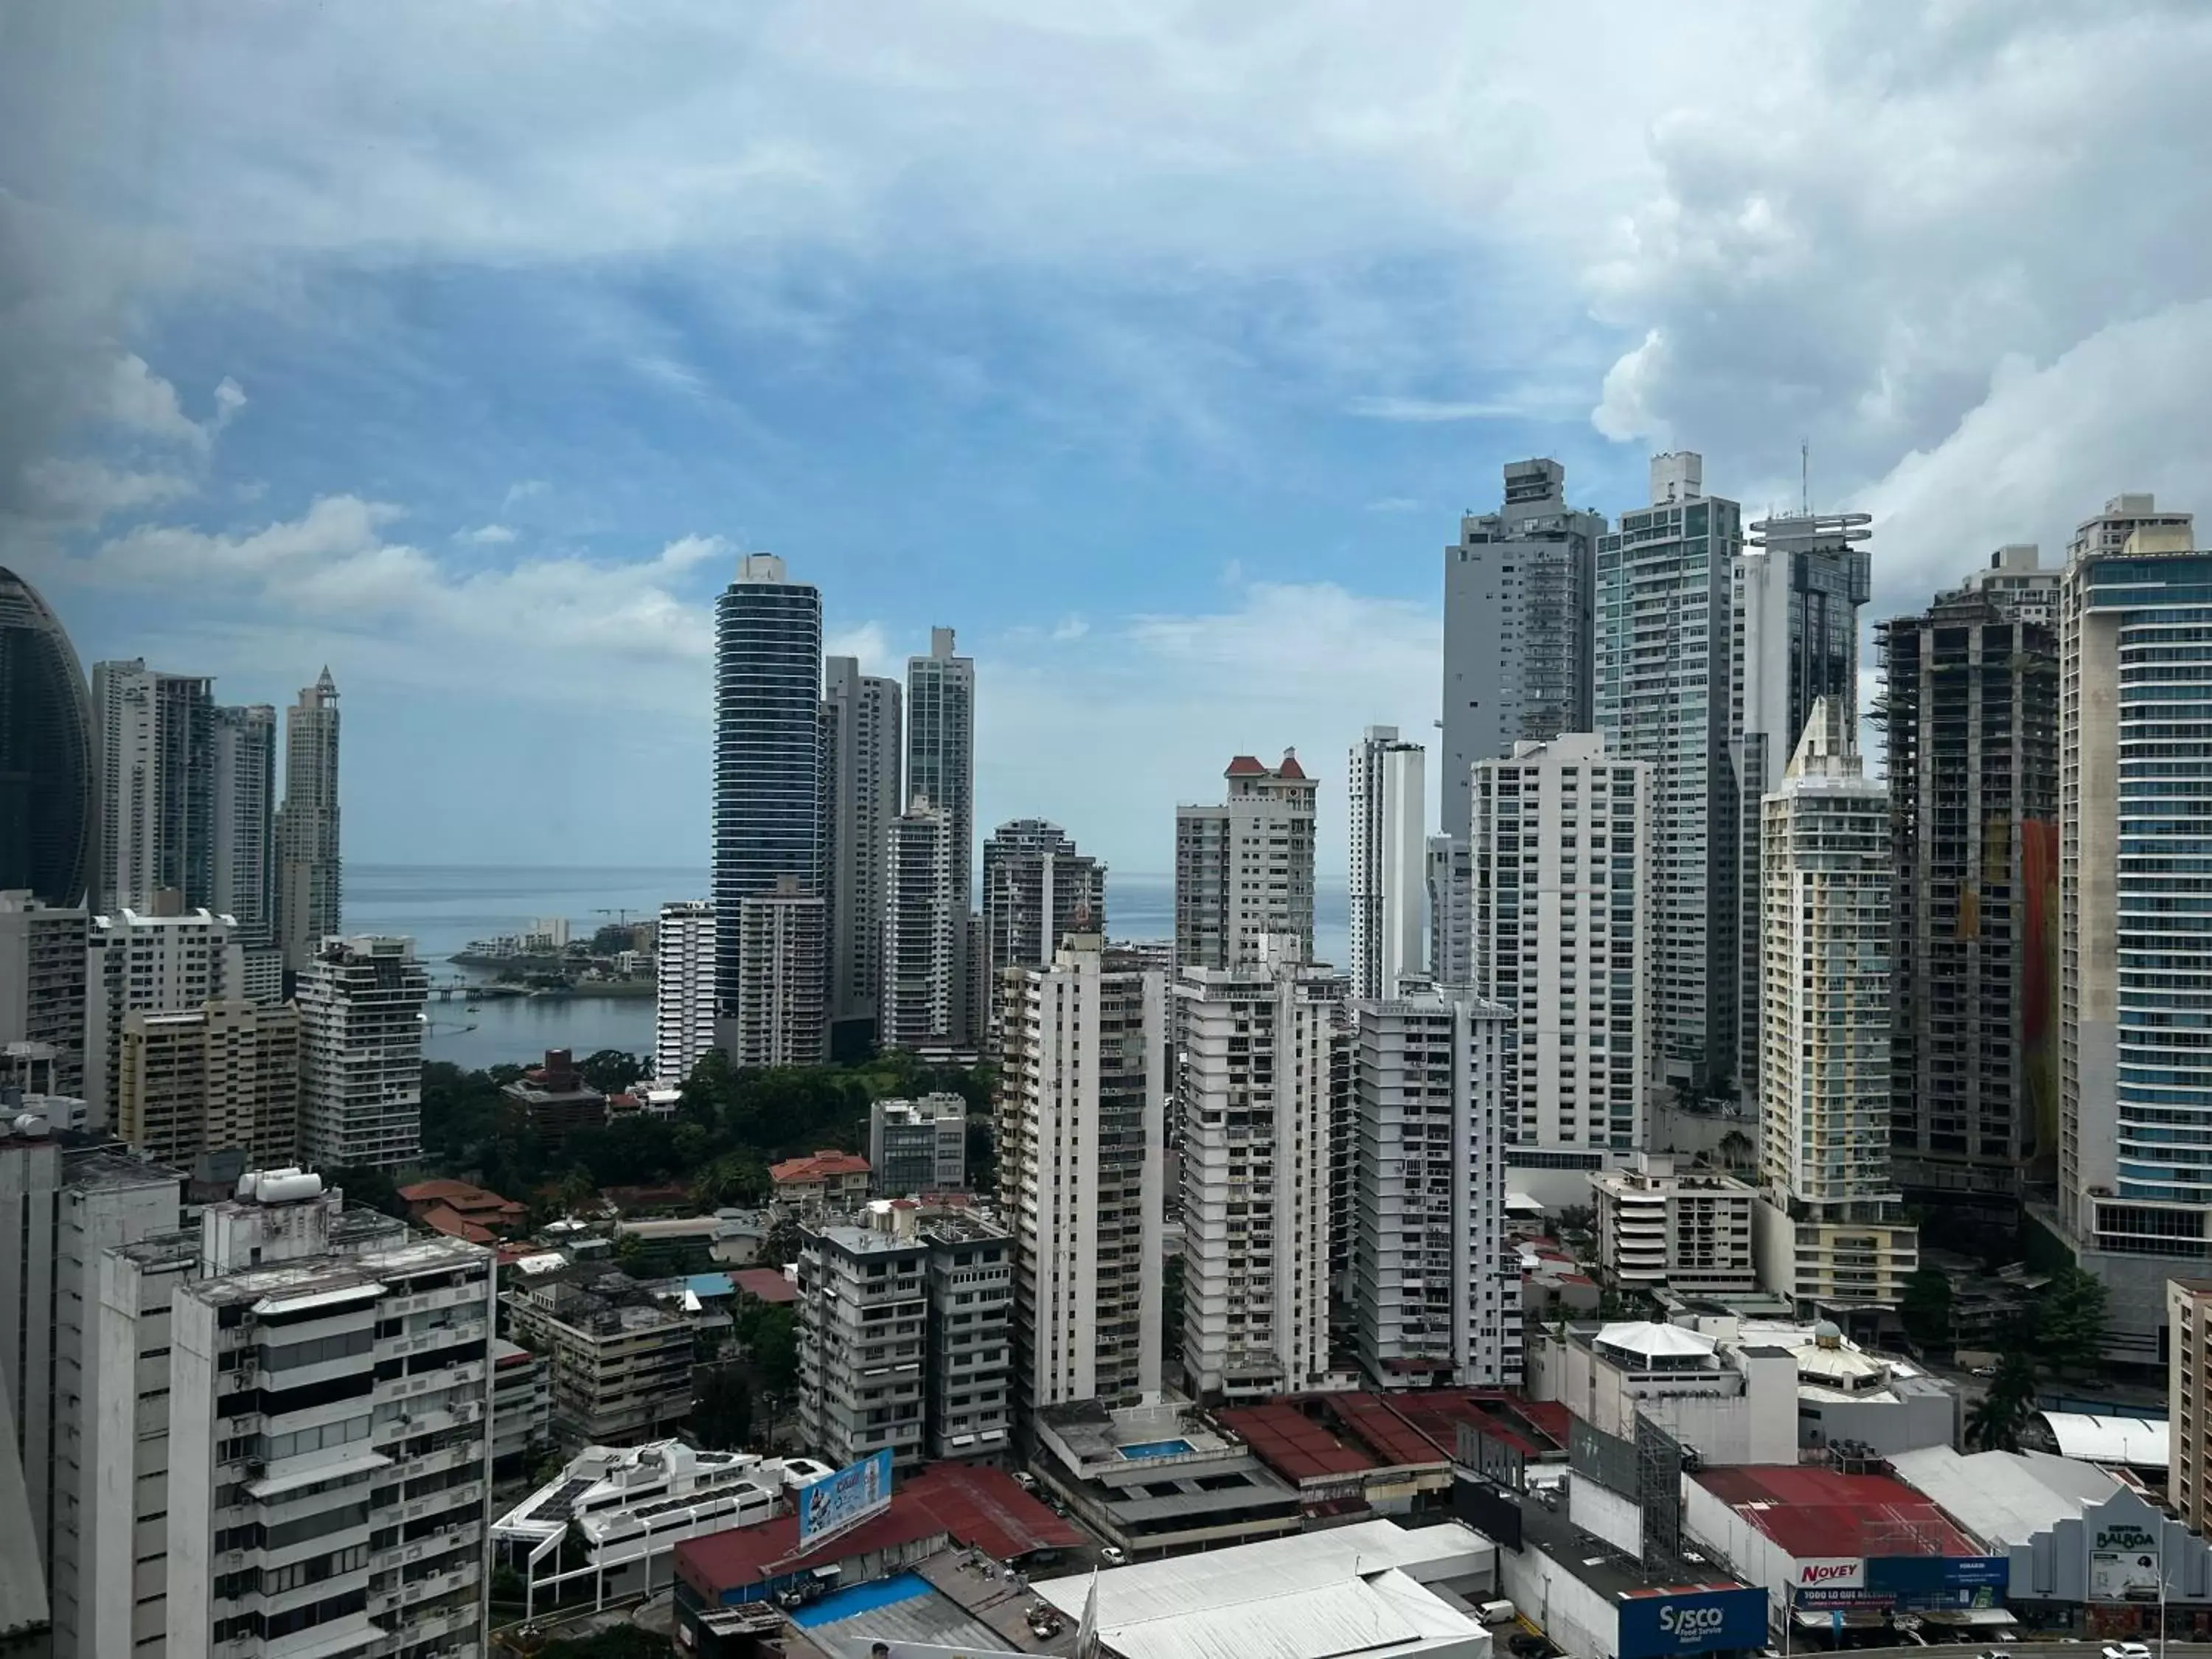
983, 1508
461, 1197
1245, 766
819, 1167
1289, 767
768, 1284
441, 1220
1809, 1510
1292, 1443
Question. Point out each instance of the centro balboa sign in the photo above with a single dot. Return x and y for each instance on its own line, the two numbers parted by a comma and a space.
1831, 1572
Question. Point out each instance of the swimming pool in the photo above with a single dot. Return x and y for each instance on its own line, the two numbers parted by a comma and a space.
1156, 1449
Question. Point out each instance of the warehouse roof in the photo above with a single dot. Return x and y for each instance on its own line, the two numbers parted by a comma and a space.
2127, 1441
1809, 1511
2004, 1497
1290, 1442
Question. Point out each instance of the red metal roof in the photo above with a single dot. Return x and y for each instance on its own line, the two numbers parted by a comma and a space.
1550, 1416
1811, 1511
985, 1510
1292, 1443
768, 1284
1394, 1442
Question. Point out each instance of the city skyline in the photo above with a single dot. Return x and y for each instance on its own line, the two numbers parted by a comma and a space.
1156, 459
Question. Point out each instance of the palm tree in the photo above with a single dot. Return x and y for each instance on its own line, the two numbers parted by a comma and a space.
1736, 1149
2002, 1413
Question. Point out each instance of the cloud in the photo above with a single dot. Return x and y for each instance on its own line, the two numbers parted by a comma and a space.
486, 535
1426, 409
522, 492
78, 492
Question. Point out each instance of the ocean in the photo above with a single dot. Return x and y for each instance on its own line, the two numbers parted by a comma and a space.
443, 907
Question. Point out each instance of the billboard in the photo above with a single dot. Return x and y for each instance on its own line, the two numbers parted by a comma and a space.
838, 1501
2123, 1563
1940, 1581
1830, 1573
1669, 1627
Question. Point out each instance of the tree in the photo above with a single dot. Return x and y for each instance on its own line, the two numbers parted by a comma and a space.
722, 1409
1996, 1422
1926, 1308
2069, 1321
779, 1245
578, 1190
768, 1331
1736, 1149
611, 1071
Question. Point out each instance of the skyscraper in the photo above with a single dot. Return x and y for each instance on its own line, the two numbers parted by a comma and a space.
783, 942
767, 749
1037, 889
361, 1054
1253, 1098
1827, 1228
1664, 623
1246, 867
1562, 837
1437, 1294
682, 989
940, 768
1969, 712
2134, 776
863, 791
921, 939
1519, 590
46, 816
149, 964
1451, 910
1798, 590
245, 880
1081, 1114
1390, 860
309, 873
154, 767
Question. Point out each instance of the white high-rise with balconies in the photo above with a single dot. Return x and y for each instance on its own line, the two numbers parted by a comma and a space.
361, 1054
1253, 1099
682, 989
1388, 861
310, 873
149, 964
783, 941
1562, 834
924, 924
863, 790
940, 768
1245, 868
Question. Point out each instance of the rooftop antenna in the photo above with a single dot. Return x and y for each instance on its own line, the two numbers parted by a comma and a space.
1805, 473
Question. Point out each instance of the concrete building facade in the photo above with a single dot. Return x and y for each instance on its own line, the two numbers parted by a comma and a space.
221, 1077
1245, 868
1436, 1293
150, 961
864, 788
924, 923
1388, 861
243, 886
780, 1018
1083, 1084
1665, 616
1037, 888
684, 956
310, 868
43, 987
154, 771
620, 1372
361, 1054
940, 768
1664, 1227
1254, 1063
918, 1145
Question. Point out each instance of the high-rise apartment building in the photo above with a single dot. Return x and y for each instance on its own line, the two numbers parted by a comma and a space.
46, 816
2134, 776
1663, 653
1662, 1228
2188, 1401
1828, 1228
329, 1438
2015, 582
154, 785
682, 989
221, 1077
767, 749
918, 1145
1255, 1047
1388, 861
361, 1054
1037, 889
1081, 1115
1520, 588
244, 886
864, 789
923, 927
149, 964
940, 768
1969, 712
1245, 868
1451, 910
1799, 587
42, 985
1437, 1293
782, 975
1562, 837
310, 873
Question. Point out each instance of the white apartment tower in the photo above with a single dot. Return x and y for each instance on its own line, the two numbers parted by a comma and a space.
1562, 834
149, 964
1828, 1229
1451, 910
1037, 889
783, 939
244, 884
863, 790
1081, 1115
1253, 1098
1390, 860
1245, 868
1437, 1293
2135, 790
361, 1054
309, 873
42, 985
924, 924
1665, 615
682, 989
329, 1438
940, 768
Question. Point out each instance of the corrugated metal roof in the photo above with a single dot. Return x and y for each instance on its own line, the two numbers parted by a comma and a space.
2122, 1440
2004, 1497
1809, 1511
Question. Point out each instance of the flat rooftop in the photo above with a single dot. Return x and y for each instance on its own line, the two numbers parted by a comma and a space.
323, 1273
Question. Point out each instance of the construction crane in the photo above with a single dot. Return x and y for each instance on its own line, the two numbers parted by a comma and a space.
621, 916
433, 1027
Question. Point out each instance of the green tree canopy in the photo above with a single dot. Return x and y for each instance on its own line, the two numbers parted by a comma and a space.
2070, 1322
1926, 1308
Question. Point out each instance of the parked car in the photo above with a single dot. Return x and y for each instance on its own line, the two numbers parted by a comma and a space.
2125, 1651
1112, 1554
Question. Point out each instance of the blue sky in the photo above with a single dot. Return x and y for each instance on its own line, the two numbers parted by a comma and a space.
1157, 347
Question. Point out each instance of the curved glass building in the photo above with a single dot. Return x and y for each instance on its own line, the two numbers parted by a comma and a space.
45, 751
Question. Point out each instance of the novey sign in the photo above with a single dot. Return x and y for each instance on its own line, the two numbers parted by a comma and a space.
1830, 1572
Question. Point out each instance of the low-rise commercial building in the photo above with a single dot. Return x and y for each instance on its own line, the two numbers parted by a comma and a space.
919, 1145
1663, 1228
620, 1372
1153, 1479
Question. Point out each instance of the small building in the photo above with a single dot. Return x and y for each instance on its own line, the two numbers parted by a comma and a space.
918, 1146
460, 1210
766, 1284
1660, 1227
554, 1101
1152, 1479
620, 1370
828, 1181
521, 1405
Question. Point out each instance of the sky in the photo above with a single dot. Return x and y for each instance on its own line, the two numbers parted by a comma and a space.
1155, 345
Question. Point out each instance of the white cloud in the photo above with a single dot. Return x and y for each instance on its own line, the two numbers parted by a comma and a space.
1428, 410
79, 492
868, 642
486, 535
522, 492
1393, 504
